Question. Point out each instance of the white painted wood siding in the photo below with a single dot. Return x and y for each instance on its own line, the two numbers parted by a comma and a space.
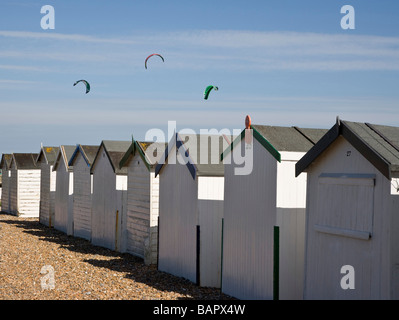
5, 191
82, 198
210, 214
107, 204
142, 211
13, 190
151, 244
210, 222
121, 207
47, 194
63, 213
290, 217
249, 218
24, 192
178, 209
28, 193
326, 252
394, 208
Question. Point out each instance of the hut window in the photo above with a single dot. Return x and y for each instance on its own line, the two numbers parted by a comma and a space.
345, 204
395, 186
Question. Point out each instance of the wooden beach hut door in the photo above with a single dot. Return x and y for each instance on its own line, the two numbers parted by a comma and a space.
344, 226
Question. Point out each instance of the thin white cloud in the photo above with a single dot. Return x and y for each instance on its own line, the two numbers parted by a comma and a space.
192, 114
19, 67
63, 37
9, 81
212, 49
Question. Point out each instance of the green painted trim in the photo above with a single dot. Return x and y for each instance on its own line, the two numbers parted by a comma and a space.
142, 155
268, 146
132, 151
276, 262
127, 155
232, 145
261, 139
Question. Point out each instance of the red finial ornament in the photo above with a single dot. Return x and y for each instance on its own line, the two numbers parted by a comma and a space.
247, 122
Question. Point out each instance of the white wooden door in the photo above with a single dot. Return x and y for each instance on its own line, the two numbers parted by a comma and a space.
344, 225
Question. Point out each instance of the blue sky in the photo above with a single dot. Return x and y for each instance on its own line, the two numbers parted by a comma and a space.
284, 62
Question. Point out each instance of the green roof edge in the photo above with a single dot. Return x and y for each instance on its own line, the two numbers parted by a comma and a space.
261, 139
132, 150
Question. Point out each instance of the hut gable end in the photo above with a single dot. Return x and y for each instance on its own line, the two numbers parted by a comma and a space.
378, 144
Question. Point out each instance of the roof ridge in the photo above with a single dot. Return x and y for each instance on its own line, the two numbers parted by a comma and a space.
304, 135
386, 139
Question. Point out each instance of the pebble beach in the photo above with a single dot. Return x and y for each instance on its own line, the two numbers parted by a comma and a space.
42, 263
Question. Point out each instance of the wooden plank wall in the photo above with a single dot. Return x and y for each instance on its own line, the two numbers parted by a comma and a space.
142, 211
177, 221
327, 252
5, 191
28, 192
82, 198
249, 218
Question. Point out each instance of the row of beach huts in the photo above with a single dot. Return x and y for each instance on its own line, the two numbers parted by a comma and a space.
312, 202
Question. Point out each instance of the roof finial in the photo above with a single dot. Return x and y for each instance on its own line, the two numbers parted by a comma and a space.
247, 122
338, 121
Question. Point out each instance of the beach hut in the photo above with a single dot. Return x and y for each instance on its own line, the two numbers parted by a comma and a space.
63, 203
5, 173
45, 161
109, 195
81, 161
24, 185
264, 213
352, 214
191, 208
141, 227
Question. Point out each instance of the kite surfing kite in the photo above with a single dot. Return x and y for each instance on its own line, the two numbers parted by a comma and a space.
208, 91
154, 54
85, 82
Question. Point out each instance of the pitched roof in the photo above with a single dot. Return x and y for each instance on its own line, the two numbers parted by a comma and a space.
114, 150
88, 153
377, 143
150, 152
24, 161
276, 139
49, 154
201, 151
65, 153
6, 160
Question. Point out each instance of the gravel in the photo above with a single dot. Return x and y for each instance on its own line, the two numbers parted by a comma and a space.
79, 270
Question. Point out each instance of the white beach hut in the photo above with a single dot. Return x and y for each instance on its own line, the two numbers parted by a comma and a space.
259, 260
63, 203
109, 195
24, 185
6, 173
45, 161
191, 208
141, 227
81, 161
352, 215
